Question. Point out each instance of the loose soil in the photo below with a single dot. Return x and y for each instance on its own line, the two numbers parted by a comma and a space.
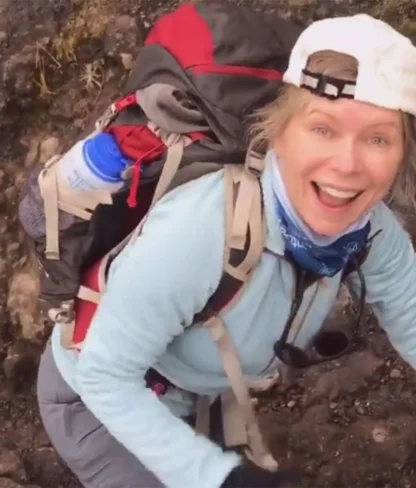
349, 423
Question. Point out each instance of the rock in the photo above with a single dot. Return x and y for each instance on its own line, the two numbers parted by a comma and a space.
395, 373
48, 466
3, 268
124, 34
329, 473
32, 154
89, 50
313, 433
301, 3
360, 408
49, 147
348, 378
11, 193
20, 365
11, 465
78, 123
123, 24
41, 438
22, 302
8, 483
126, 60
13, 247
379, 434
18, 75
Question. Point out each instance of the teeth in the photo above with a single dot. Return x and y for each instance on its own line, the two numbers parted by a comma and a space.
338, 193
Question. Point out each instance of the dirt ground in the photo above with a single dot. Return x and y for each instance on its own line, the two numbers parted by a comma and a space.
350, 423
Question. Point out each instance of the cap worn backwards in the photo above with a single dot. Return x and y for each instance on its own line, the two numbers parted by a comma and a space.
386, 62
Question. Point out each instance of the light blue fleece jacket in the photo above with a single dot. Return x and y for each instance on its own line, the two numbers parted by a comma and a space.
157, 285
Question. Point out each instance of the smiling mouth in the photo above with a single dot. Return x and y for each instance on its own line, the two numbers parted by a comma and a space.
334, 197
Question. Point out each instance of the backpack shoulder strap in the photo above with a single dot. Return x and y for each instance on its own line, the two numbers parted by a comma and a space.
244, 244
244, 233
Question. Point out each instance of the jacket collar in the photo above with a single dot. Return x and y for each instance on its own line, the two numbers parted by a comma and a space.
274, 238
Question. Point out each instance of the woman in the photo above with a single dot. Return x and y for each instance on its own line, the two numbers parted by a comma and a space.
340, 137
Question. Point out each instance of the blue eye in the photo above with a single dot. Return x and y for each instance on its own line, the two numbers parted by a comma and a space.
378, 141
322, 131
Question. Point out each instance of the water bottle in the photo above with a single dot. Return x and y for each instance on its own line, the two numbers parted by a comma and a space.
94, 163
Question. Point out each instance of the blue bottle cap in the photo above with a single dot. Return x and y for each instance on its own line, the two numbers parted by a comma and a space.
104, 158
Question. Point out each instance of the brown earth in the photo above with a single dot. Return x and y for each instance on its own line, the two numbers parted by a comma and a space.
349, 423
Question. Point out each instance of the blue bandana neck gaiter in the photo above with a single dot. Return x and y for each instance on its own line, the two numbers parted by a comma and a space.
322, 255
321, 260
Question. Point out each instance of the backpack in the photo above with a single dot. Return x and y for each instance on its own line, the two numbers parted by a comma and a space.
185, 112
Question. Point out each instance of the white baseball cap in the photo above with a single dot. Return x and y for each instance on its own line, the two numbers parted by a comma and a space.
386, 61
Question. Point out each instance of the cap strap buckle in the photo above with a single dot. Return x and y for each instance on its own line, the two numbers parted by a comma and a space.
327, 86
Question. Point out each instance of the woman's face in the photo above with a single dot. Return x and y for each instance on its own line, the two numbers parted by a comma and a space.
339, 158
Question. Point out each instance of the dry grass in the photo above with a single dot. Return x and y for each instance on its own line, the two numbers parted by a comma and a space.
92, 75
409, 27
41, 57
90, 20
64, 48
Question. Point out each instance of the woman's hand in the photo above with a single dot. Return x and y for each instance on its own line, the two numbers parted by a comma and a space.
248, 475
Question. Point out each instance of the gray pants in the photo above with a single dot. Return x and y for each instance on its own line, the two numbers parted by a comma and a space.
84, 444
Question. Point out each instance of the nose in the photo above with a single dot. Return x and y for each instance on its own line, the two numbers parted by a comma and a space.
347, 160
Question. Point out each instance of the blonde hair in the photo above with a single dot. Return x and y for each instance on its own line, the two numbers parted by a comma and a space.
273, 119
